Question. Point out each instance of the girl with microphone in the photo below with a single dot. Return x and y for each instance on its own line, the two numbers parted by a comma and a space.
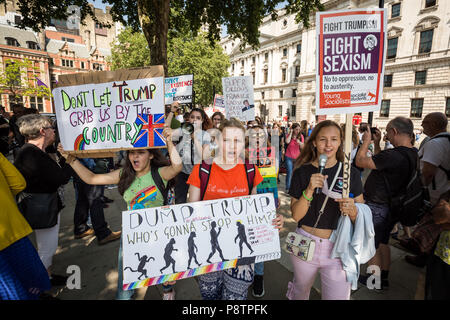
318, 214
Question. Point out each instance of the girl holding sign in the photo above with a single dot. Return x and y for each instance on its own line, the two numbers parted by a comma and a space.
228, 177
307, 205
137, 185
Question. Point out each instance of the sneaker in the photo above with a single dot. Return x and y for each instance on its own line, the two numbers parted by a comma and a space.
169, 295
88, 232
258, 286
112, 237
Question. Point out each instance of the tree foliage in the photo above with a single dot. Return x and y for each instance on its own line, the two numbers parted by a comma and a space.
155, 18
14, 81
187, 54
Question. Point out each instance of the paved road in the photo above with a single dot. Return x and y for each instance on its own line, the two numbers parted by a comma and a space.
98, 264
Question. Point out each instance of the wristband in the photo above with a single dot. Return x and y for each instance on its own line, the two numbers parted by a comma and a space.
304, 196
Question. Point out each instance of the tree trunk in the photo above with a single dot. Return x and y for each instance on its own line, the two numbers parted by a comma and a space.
154, 20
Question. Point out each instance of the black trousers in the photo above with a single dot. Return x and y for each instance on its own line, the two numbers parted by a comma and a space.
89, 202
437, 283
181, 188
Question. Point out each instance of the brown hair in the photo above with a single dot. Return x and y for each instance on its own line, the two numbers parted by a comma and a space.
128, 174
309, 151
206, 122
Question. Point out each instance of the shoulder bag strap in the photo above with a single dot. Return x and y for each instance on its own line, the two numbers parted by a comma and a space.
331, 188
204, 173
159, 183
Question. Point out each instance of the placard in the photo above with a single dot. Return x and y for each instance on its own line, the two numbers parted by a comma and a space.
185, 240
110, 115
178, 89
238, 98
351, 47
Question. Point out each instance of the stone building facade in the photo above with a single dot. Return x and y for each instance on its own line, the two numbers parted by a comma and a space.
417, 69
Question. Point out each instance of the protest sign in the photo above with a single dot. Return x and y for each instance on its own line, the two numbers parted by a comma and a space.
219, 102
351, 47
265, 160
238, 98
178, 89
185, 240
110, 110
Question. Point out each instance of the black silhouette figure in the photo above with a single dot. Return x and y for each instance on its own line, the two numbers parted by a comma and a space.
215, 242
192, 248
142, 262
242, 237
167, 255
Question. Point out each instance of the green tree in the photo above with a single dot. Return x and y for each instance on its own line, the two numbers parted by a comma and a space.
15, 82
187, 54
208, 64
155, 18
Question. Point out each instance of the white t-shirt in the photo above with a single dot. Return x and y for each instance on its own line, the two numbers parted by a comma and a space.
436, 151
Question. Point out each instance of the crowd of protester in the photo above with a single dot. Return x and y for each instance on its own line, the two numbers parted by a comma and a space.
383, 166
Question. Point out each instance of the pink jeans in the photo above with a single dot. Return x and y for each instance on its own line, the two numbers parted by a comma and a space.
332, 275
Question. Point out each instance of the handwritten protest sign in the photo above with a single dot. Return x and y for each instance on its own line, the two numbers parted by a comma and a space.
180, 241
238, 98
117, 114
351, 48
179, 89
219, 102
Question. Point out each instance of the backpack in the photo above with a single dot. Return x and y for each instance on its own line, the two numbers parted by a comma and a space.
159, 183
412, 202
205, 171
440, 166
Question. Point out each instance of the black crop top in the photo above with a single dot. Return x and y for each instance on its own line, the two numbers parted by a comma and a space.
330, 217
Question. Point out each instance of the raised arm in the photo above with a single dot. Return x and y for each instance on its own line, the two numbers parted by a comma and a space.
87, 175
169, 172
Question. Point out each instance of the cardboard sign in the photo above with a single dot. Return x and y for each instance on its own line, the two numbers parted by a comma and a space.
351, 47
185, 240
179, 89
96, 114
238, 98
219, 102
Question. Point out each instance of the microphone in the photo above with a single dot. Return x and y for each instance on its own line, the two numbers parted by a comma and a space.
322, 162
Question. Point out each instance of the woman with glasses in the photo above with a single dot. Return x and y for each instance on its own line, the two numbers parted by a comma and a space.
43, 176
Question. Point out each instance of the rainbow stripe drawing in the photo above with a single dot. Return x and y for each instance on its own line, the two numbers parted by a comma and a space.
181, 275
79, 143
151, 132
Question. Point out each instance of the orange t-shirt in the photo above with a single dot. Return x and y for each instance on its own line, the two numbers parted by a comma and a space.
225, 183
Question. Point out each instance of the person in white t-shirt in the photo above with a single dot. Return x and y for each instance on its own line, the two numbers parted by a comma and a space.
435, 155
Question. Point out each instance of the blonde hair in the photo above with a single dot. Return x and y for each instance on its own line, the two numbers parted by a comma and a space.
231, 123
30, 125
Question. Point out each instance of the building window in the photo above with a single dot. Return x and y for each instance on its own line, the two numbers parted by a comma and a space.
262, 95
421, 77
232, 67
266, 75
283, 75
82, 65
281, 94
426, 39
12, 42
293, 111
285, 51
280, 111
51, 62
392, 48
294, 93
98, 26
32, 45
385, 106
253, 60
299, 48
253, 77
17, 19
430, 3
447, 108
37, 103
242, 63
416, 108
395, 12
67, 63
388, 80
266, 56
68, 39
297, 71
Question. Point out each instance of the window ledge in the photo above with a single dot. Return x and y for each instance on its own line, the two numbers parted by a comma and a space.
430, 9
395, 19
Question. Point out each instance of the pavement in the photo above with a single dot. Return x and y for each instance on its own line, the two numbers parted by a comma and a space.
98, 264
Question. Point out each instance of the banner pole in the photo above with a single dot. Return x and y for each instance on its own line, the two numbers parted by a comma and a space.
347, 154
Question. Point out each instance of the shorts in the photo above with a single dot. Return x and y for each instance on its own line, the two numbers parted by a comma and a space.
381, 222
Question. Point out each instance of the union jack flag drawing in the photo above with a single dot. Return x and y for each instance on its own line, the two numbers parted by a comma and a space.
151, 131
